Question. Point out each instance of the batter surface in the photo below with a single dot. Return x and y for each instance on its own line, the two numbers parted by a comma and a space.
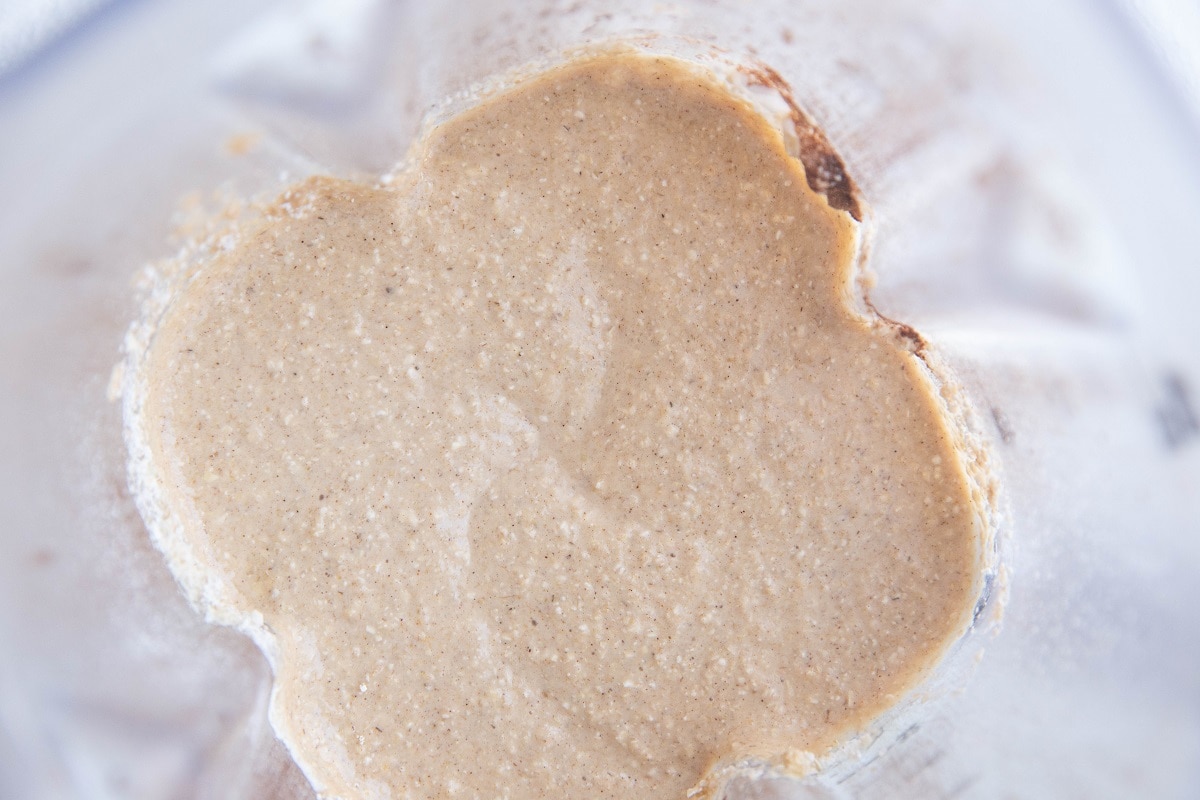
560, 466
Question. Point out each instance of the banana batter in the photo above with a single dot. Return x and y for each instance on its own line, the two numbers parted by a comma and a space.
560, 465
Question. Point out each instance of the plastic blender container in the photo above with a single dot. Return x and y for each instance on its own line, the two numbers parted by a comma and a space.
1032, 182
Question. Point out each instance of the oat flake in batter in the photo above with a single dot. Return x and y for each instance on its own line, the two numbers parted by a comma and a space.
560, 466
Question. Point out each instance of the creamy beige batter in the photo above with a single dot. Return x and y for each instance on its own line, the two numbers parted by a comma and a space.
561, 466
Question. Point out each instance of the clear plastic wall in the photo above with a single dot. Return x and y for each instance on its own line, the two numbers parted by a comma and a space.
1033, 183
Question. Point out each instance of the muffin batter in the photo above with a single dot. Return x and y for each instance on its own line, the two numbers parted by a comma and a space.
560, 466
